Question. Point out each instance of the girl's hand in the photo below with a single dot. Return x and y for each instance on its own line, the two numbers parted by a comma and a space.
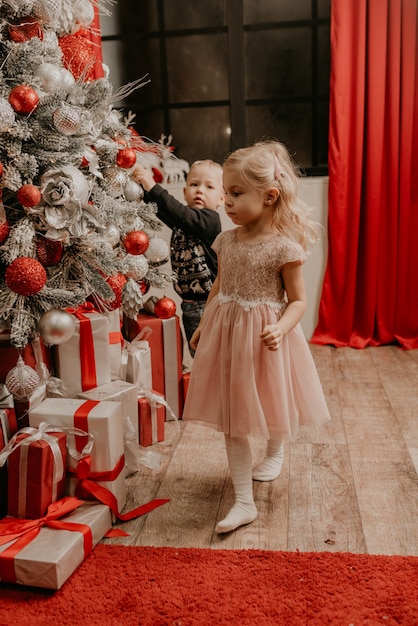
195, 339
272, 336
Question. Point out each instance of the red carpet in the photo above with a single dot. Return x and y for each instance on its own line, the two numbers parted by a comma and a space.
127, 586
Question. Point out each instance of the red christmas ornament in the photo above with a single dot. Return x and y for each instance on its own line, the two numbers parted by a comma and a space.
79, 56
25, 29
126, 158
165, 308
136, 242
23, 99
49, 251
157, 175
25, 276
4, 231
29, 195
143, 285
1, 169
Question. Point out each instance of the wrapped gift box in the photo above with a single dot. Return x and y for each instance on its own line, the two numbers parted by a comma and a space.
8, 426
166, 343
50, 558
83, 362
36, 472
9, 355
115, 343
117, 391
136, 362
151, 419
103, 420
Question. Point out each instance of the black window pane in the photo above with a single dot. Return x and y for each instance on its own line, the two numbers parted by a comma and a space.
132, 20
197, 68
202, 133
276, 10
324, 8
323, 60
149, 124
141, 58
278, 63
323, 122
180, 14
290, 124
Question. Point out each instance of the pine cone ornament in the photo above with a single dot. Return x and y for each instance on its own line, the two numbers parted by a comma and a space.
131, 299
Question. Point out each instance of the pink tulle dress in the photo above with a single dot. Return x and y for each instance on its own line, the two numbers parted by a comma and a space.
237, 385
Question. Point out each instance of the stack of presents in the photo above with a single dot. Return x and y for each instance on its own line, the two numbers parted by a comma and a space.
63, 448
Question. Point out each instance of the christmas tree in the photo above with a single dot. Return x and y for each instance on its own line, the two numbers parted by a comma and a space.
73, 224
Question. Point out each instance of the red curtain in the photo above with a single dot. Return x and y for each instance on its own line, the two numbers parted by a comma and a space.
370, 290
93, 35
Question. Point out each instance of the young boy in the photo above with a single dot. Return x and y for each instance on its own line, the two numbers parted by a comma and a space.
194, 227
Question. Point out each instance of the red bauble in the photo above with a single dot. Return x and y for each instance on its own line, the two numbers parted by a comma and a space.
165, 308
4, 231
25, 29
49, 251
143, 285
157, 175
23, 99
79, 56
136, 242
126, 158
25, 276
1, 169
29, 195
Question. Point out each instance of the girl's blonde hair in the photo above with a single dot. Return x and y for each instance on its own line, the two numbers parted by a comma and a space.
268, 164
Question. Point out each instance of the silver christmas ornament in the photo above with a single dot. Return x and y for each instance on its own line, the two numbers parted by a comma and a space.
135, 266
133, 191
67, 120
22, 380
7, 114
56, 326
112, 235
158, 251
115, 180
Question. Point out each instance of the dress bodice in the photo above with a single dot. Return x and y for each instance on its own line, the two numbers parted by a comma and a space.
250, 272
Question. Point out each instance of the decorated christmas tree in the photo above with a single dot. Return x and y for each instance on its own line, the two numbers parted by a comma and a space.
73, 224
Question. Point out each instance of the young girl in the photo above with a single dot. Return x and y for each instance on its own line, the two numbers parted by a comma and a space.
253, 372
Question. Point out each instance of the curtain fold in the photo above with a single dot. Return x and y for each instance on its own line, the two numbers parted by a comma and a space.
370, 290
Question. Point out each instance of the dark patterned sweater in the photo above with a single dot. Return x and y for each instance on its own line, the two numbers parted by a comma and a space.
193, 231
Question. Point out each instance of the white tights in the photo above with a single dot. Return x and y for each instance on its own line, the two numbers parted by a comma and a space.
244, 510
271, 466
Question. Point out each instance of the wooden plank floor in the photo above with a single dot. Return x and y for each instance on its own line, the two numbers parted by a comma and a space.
351, 485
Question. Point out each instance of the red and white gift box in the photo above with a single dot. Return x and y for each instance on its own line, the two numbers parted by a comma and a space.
166, 344
115, 343
151, 415
46, 552
103, 421
83, 362
117, 391
8, 426
36, 463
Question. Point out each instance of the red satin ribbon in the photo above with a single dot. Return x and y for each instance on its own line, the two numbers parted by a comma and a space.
81, 422
23, 531
87, 362
87, 485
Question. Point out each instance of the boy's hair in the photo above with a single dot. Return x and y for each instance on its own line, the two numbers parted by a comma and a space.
269, 164
207, 162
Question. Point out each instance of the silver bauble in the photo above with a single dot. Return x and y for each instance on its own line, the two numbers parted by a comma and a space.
22, 380
56, 326
136, 266
133, 191
67, 120
115, 181
112, 235
7, 114
158, 251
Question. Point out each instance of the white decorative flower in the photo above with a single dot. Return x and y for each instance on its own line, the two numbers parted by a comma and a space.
65, 194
